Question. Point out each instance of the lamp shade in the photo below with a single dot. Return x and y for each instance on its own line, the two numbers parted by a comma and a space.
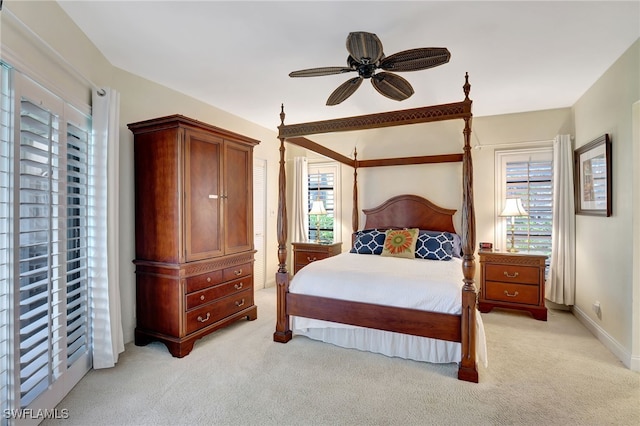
513, 207
317, 208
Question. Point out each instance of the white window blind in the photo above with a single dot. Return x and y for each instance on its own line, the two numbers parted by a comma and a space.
532, 182
45, 227
322, 186
526, 174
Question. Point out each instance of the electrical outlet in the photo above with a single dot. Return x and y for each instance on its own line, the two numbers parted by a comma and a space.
596, 308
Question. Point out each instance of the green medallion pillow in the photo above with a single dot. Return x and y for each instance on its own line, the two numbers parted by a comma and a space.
400, 243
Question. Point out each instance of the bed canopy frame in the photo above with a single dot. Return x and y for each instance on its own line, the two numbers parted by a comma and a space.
457, 328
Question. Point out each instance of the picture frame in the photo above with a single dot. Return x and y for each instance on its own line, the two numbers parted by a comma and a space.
592, 177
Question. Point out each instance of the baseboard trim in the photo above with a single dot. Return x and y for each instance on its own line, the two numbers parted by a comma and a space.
632, 363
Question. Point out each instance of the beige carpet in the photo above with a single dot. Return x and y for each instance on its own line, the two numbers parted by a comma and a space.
540, 373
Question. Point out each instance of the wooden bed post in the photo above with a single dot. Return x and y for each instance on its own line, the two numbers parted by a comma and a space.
468, 369
354, 215
283, 328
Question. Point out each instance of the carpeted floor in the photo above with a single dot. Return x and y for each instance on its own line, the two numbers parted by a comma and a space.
539, 373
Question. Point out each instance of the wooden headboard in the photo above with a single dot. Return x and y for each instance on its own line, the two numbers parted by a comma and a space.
409, 211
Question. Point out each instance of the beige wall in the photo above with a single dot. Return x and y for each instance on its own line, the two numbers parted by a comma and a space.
605, 246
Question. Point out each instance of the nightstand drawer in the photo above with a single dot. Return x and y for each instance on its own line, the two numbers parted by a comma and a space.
306, 257
513, 293
512, 273
306, 253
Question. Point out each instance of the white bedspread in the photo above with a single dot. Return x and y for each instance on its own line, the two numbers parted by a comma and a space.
423, 284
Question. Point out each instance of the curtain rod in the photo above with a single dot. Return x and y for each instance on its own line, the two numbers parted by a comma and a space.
540, 142
68, 65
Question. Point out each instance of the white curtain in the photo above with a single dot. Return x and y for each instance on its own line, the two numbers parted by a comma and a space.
106, 318
300, 223
561, 283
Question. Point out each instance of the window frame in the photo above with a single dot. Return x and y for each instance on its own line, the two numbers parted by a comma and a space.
314, 167
502, 157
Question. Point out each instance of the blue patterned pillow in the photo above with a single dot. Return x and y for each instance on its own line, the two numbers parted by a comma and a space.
434, 245
369, 241
457, 245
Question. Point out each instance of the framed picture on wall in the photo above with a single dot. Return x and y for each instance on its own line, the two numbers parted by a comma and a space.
592, 177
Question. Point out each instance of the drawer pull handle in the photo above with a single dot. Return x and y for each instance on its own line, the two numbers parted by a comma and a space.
202, 297
238, 286
205, 319
506, 274
208, 279
312, 259
510, 295
239, 303
238, 272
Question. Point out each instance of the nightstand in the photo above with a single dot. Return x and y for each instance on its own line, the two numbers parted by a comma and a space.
305, 253
512, 281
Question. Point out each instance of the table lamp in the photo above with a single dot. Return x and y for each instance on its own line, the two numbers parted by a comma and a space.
513, 208
317, 209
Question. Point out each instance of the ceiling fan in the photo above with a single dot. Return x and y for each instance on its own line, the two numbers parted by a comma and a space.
366, 56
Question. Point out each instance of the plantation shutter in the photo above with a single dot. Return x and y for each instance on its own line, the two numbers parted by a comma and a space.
50, 244
5, 236
259, 218
532, 182
77, 261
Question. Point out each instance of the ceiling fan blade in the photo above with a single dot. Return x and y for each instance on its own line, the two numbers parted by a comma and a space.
392, 86
345, 90
315, 72
366, 48
416, 59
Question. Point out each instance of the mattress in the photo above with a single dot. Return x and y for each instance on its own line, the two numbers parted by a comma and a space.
423, 284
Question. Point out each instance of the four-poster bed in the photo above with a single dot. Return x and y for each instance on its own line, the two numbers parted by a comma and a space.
398, 212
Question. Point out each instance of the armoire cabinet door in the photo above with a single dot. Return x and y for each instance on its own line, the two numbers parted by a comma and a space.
203, 191
238, 201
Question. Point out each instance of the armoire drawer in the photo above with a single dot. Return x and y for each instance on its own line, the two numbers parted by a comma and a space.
203, 281
237, 271
198, 298
215, 311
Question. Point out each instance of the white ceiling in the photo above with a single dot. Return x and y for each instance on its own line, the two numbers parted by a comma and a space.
521, 56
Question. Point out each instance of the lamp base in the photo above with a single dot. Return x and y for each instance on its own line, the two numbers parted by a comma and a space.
513, 250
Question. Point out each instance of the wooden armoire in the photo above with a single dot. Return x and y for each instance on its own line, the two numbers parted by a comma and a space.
193, 230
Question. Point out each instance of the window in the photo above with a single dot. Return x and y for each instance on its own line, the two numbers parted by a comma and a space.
323, 185
528, 175
44, 231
